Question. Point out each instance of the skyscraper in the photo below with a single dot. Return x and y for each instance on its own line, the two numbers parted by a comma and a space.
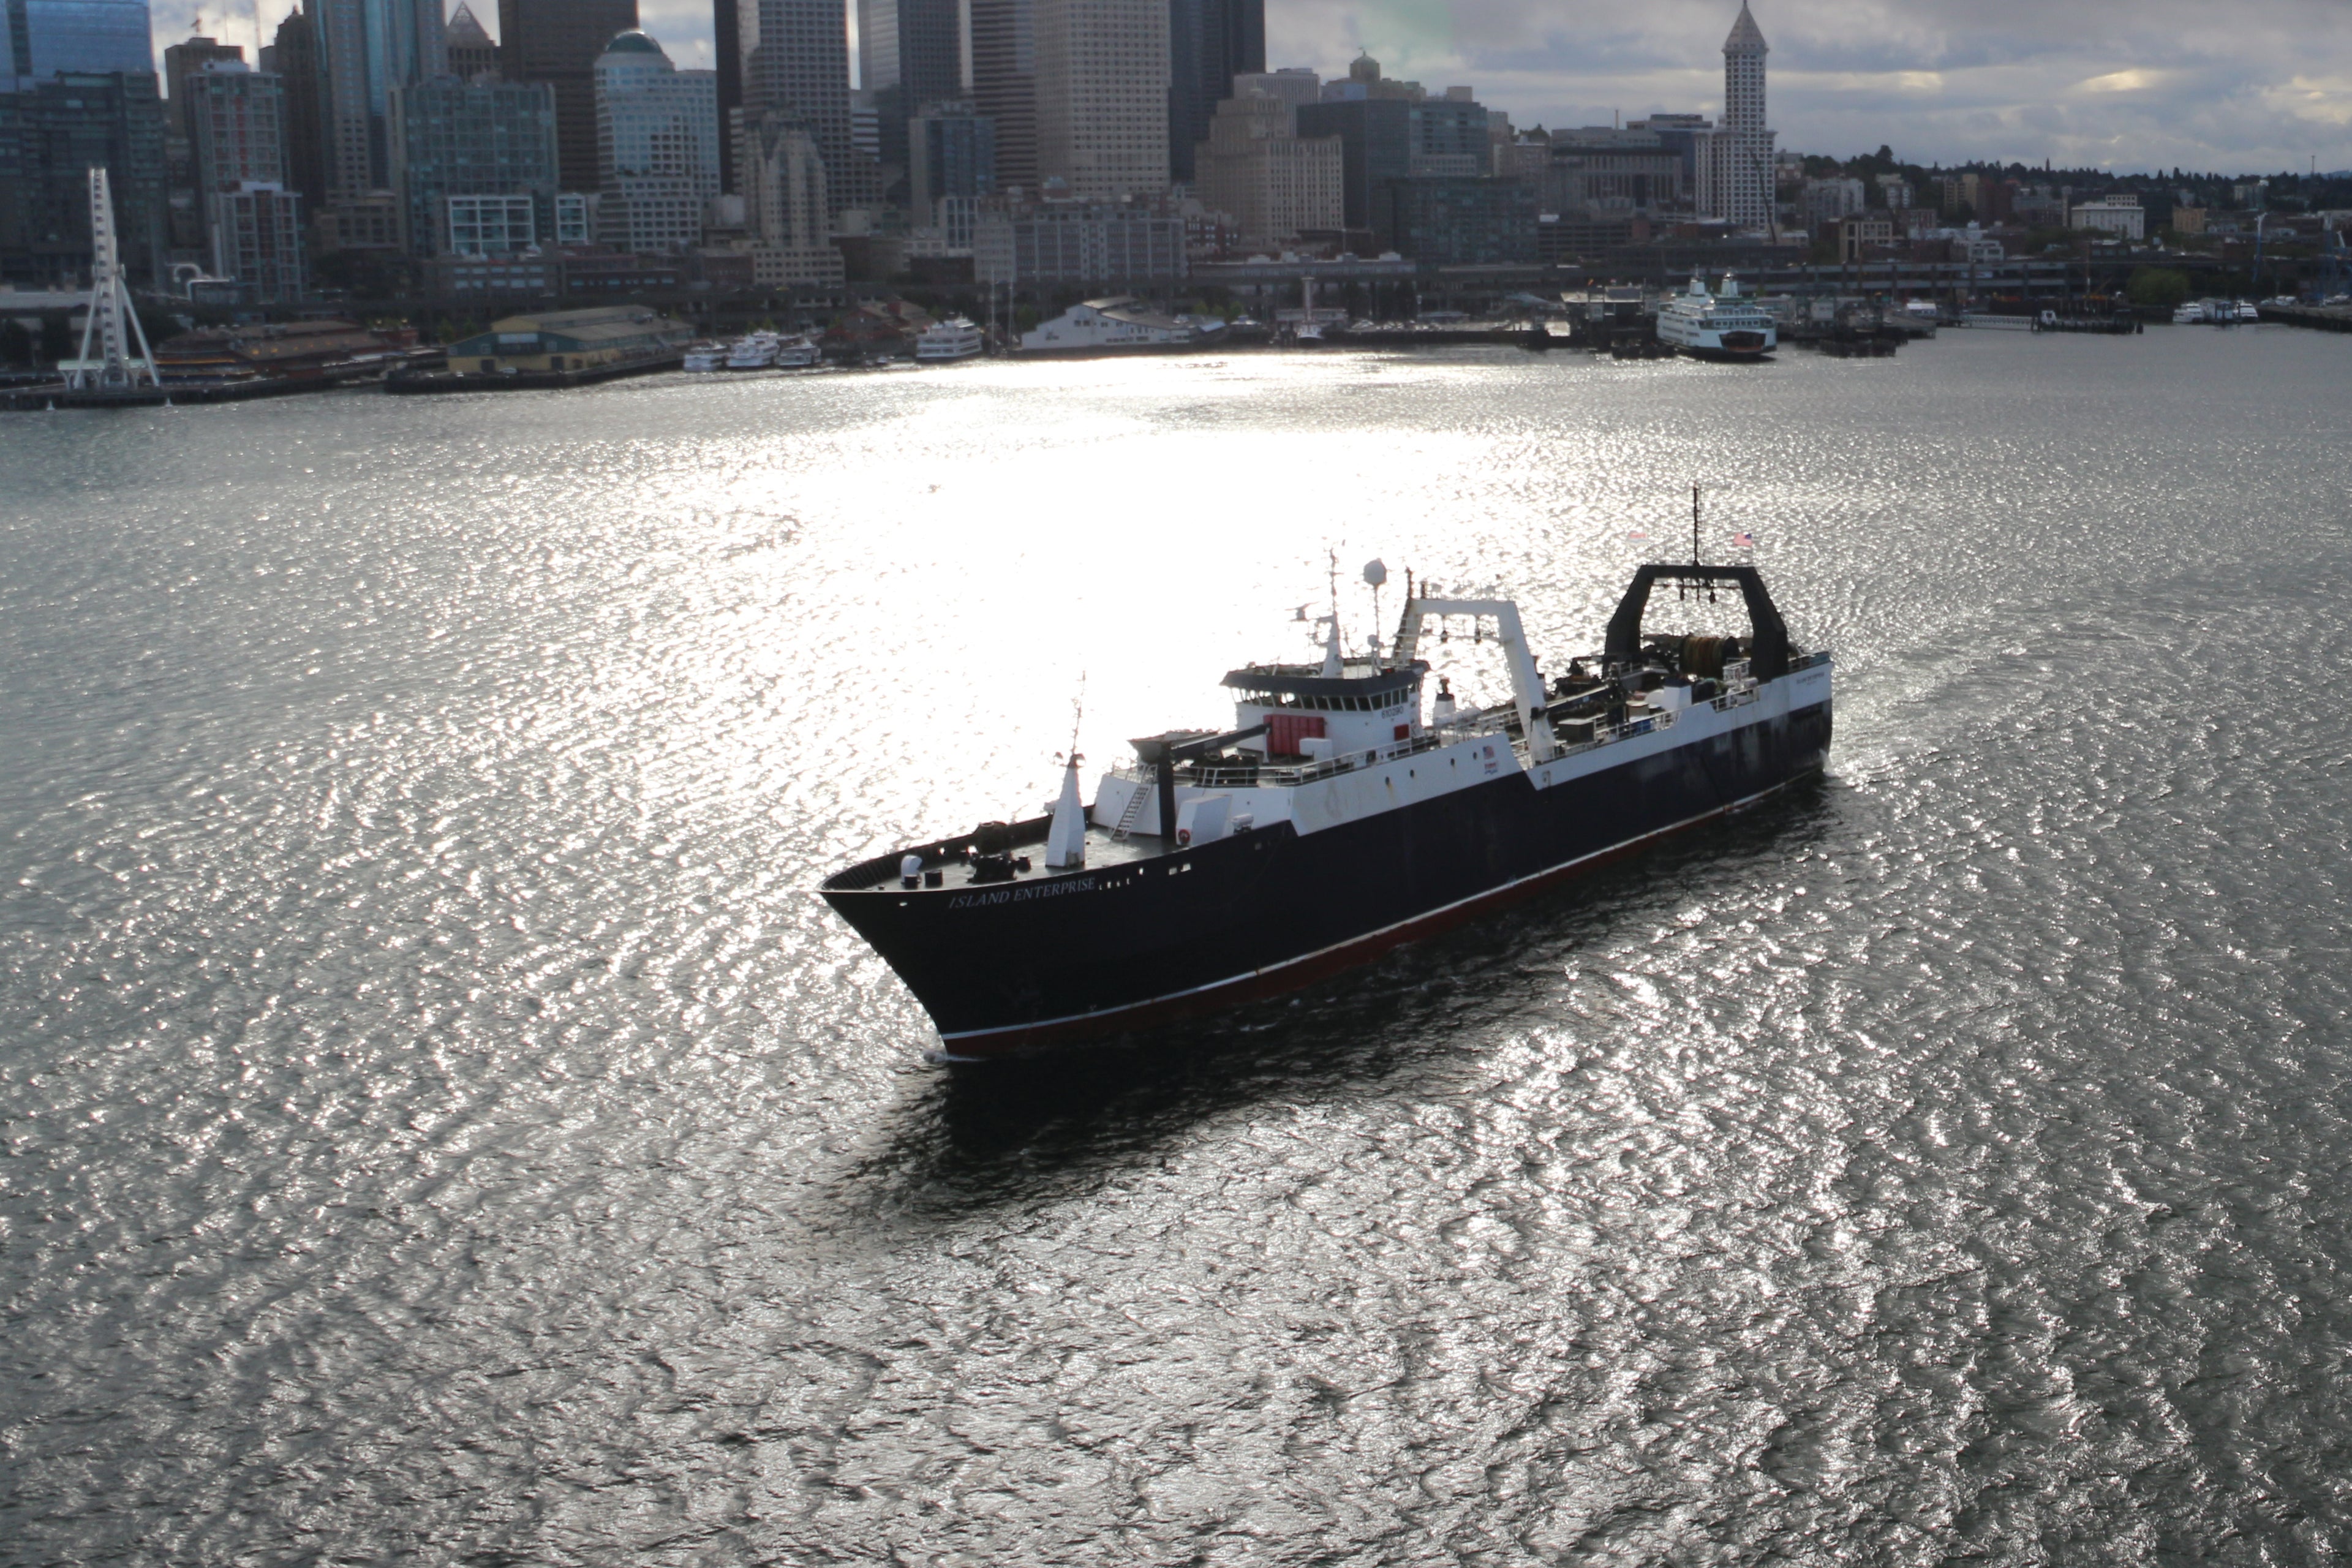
46, 37
727, 44
473, 139
1102, 96
293, 54
1005, 85
366, 48
1273, 183
797, 60
253, 224
471, 52
784, 203
909, 56
656, 146
558, 42
1210, 42
183, 59
1734, 170
234, 116
64, 127
950, 152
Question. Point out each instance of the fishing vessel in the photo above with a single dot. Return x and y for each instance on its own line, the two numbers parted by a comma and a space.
1338, 815
1723, 325
953, 339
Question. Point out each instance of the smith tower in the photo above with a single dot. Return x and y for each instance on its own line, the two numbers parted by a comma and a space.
1742, 148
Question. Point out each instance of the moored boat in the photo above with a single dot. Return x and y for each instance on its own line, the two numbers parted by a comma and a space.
1336, 819
754, 351
953, 339
1724, 325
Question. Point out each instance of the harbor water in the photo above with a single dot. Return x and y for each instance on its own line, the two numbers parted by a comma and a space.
438, 1123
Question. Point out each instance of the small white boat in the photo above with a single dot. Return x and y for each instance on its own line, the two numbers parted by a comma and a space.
797, 353
953, 339
705, 356
756, 351
2190, 314
2249, 311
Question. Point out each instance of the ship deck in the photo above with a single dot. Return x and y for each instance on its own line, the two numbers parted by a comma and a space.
957, 863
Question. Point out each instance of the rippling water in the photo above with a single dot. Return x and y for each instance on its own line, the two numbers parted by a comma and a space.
439, 1124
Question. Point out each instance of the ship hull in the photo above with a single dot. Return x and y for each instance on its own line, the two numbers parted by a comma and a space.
1017, 968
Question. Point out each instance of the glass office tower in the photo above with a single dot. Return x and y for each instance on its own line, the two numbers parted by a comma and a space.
46, 37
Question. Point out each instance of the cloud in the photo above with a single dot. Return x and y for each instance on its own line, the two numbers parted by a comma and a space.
2133, 81
2250, 85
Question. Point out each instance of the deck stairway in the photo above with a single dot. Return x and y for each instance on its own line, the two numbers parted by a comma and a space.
1134, 812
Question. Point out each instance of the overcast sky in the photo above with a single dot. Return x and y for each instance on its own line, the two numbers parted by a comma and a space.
2229, 85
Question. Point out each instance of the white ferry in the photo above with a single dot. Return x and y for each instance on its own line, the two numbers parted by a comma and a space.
797, 353
705, 356
953, 339
1724, 325
754, 350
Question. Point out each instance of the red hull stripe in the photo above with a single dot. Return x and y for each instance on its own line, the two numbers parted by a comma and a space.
981, 1044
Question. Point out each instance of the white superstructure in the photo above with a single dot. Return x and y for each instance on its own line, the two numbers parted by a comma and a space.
953, 339
755, 351
1319, 761
1726, 324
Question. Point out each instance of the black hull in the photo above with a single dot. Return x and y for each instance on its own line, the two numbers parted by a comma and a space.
1104, 951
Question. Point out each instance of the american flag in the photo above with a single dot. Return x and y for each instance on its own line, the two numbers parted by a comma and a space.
1743, 541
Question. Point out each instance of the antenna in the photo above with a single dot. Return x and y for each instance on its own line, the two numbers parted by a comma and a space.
1693, 525
1334, 554
1078, 716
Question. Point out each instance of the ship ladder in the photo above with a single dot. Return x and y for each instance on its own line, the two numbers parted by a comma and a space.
1134, 812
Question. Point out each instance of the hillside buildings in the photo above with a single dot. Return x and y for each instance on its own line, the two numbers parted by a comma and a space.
2118, 215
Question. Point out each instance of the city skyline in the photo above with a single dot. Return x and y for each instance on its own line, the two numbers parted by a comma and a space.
2258, 87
